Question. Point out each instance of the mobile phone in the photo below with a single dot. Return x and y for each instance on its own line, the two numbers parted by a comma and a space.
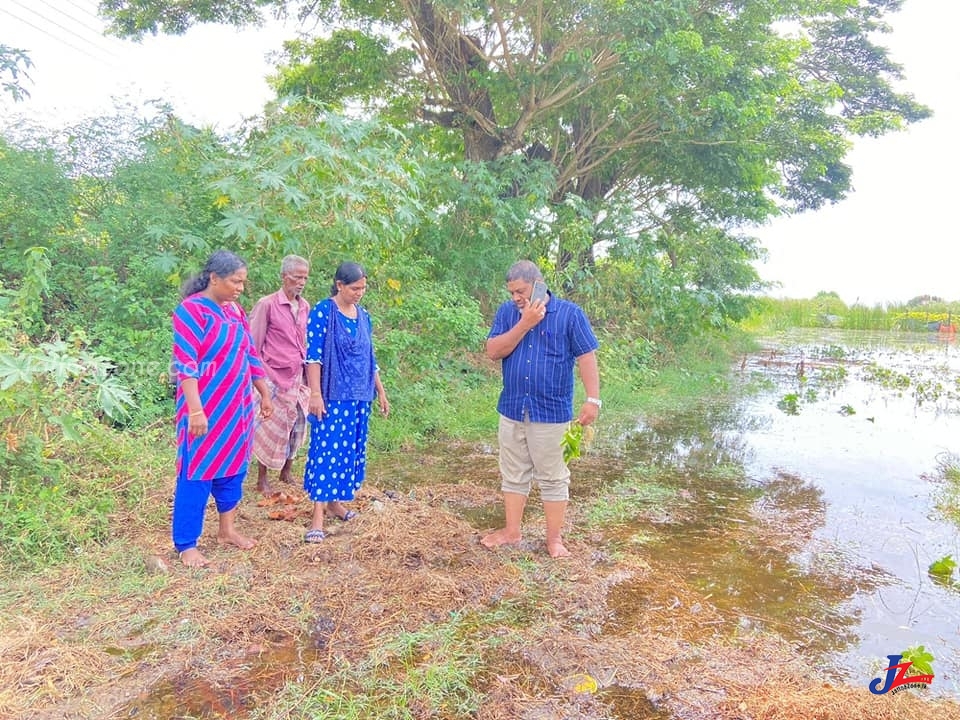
539, 291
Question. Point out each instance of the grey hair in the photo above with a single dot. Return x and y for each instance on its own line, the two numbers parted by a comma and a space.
291, 263
524, 270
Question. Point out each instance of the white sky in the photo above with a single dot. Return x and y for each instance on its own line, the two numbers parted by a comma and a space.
890, 240
895, 236
214, 75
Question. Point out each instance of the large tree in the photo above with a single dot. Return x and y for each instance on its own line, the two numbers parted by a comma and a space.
698, 115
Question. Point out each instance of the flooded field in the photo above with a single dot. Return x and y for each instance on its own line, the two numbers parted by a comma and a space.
837, 446
757, 556
802, 502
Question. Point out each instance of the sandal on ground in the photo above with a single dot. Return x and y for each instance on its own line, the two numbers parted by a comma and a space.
314, 536
347, 515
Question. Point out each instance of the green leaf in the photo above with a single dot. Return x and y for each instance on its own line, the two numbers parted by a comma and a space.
69, 425
114, 398
16, 369
921, 659
571, 442
941, 571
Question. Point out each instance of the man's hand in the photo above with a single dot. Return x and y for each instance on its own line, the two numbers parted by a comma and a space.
588, 414
266, 408
532, 314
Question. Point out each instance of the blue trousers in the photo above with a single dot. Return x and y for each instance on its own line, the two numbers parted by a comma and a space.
190, 505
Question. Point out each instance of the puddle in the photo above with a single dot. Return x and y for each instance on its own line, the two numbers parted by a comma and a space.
811, 516
237, 693
631, 704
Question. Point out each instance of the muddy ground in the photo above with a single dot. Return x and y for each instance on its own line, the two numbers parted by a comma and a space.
133, 634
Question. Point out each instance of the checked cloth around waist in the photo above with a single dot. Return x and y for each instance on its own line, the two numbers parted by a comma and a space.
278, 438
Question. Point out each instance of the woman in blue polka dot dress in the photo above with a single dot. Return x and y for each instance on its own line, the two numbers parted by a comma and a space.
344, 381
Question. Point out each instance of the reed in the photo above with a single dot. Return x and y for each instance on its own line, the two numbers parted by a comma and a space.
828, 310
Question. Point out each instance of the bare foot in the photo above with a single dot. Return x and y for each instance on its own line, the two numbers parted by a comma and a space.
263, 483
557, 549
500, 537
235, 538
191, 557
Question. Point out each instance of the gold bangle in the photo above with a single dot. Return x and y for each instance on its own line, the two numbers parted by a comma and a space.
198, 412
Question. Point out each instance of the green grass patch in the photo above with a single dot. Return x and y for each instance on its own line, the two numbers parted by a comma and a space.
947, 500
56, 514
435, 671
632, 498
827, 310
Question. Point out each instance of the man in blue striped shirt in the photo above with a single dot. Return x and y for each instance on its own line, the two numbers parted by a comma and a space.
538, 343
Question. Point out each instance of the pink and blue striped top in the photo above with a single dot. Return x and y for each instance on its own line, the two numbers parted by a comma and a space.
212, 343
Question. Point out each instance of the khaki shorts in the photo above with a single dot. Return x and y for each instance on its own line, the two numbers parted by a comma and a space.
532, 452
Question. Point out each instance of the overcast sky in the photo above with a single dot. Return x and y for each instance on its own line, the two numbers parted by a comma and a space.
892, 239
895, 236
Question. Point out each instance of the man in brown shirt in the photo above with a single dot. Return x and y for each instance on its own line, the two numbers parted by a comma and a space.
278, 323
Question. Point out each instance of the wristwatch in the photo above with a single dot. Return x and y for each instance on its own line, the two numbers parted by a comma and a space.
595, 401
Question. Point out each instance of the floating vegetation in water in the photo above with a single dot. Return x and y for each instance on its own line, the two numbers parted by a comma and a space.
790, 404
922, 660
847, 410
941, 571
885, 377
832, 375
948, 499
925, 384
830, 352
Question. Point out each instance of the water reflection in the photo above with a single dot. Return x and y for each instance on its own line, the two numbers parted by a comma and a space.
738, 541
867, 438
814, 521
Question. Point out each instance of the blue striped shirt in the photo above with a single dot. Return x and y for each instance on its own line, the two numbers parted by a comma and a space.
538, 374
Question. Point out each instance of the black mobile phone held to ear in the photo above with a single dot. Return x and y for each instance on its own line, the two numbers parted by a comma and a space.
539, 291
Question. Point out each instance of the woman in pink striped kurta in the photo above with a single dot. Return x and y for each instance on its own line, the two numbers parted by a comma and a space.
216, 364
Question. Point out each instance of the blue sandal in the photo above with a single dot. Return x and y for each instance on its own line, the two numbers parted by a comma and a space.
346, 517
314, 536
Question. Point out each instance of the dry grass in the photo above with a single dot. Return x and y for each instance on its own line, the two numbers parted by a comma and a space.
98, 639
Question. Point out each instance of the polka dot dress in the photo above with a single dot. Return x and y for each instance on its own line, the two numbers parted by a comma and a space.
337, 461
337, 457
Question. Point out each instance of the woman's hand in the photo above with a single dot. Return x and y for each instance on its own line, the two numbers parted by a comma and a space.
316, 405
197, 424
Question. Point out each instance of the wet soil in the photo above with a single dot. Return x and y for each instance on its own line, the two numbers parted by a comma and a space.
686, 598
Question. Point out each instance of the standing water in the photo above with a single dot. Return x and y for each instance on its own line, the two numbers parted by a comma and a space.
808, 506
865, 421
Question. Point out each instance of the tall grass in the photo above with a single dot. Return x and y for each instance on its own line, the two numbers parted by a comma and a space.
828, 310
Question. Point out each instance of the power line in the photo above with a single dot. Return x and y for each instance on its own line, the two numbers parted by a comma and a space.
66, 29
84, 10
101, 29
54, 37
95, 30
